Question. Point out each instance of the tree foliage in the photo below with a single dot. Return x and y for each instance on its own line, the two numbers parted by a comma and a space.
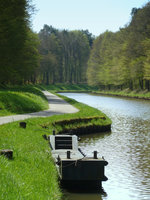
122, 59
119, 60
64, 55
18, 49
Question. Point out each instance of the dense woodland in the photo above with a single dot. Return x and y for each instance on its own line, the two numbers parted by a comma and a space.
64, 55
112, 60
122, 59
19, 55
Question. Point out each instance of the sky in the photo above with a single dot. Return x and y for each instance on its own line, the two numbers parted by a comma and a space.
95, 15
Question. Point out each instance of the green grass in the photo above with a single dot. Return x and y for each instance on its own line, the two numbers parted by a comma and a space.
127, 93
32, 174
29, 98
85, 111
69, 88
18, 100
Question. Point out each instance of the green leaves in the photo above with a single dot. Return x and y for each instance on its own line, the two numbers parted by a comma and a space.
18, 49
64, 55
122, 59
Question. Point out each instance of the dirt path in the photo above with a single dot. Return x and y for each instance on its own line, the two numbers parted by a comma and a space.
57, 106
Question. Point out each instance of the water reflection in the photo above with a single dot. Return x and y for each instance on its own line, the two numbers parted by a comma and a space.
126, 148
82, 196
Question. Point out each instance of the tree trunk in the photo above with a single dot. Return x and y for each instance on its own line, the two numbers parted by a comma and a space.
141, 83
148, 85
131, 85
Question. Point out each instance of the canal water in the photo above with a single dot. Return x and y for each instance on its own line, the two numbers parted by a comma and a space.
126, 148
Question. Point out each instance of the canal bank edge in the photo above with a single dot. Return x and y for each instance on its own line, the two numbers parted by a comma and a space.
88, 120
36, 150
144, 96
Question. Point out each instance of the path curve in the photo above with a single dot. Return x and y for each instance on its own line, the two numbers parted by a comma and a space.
57, 106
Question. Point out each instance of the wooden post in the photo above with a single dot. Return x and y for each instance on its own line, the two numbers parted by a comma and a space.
68, 154
7, 152
95, 154
23, 124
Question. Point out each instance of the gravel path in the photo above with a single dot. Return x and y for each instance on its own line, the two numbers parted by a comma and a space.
57, 106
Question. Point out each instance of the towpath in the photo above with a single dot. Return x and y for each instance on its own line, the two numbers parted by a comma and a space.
57, 106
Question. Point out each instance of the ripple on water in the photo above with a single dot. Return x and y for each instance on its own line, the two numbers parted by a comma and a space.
126, 148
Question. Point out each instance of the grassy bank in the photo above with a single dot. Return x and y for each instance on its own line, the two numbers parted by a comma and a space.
126, 93
21, 99
31, 174
70, 88
29, 98
139, 94
84, 119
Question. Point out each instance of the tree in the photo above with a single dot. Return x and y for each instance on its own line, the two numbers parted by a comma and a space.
16, 41
50, 50
122, 59
31, 58
64, 55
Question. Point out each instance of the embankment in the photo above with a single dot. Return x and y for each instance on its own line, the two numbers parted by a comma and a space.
125, 93
31, 173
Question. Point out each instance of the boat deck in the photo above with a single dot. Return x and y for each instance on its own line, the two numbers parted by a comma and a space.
62, 154
72, 164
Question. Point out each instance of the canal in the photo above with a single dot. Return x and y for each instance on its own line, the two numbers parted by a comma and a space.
126, 148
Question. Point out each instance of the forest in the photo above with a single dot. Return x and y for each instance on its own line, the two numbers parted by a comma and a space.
47, 57
110, 61
19, 55
64, 55
122, 59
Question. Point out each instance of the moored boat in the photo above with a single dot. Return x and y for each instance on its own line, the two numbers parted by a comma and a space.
74, 168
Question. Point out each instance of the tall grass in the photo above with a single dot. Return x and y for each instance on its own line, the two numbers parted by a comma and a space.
31, 174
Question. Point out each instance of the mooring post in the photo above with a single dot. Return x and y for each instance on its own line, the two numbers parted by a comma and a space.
23, 124
53, 132
95, 154
7, 153
68, 154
